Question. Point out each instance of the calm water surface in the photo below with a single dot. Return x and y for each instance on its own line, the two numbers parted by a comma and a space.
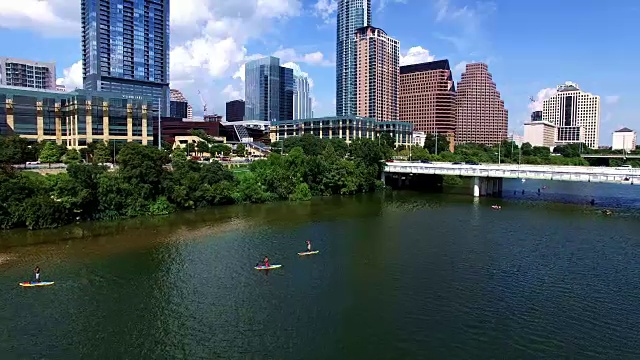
400, 275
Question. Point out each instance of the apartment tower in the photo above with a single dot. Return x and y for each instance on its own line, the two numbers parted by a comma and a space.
352, 15
377, 74
428, 97
481, 117
302, 103
576, 115
27, 73
125, 48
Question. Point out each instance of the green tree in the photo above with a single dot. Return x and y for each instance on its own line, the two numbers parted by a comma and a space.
50, 153
16, 150
430, 143
241, 150
72, 157
340, 146
102, 154
202, 147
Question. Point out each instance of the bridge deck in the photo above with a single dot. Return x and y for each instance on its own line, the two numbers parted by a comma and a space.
541, 172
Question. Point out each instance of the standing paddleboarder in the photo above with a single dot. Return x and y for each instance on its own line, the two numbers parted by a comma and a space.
308, 245
36, 271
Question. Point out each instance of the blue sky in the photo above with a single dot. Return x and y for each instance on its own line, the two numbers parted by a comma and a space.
530, 46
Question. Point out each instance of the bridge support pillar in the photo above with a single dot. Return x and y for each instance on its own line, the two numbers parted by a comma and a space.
476, 186
497, 187
490, 182
483, 186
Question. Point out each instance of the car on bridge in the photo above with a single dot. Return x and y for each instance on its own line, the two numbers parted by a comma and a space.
456, 163
425, 161
472, 163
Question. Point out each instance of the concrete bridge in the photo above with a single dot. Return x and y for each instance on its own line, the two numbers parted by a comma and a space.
487, 179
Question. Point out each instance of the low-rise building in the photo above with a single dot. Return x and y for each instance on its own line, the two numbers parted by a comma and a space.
419, 137
348, 128
624, 139
540, 133
75, 118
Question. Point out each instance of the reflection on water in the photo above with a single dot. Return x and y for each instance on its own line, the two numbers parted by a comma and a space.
400, 275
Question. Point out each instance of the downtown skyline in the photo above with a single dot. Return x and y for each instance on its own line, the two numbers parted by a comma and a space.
210, 58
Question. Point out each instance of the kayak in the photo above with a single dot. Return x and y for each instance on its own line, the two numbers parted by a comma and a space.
308, 253
33, 283
262, 267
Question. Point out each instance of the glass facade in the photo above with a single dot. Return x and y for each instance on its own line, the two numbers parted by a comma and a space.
75, 118
287, 87
347, 128
352, 15
178, 109
125, 47
269, 90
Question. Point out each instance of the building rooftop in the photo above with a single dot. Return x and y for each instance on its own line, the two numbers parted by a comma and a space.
426, 66
624, 130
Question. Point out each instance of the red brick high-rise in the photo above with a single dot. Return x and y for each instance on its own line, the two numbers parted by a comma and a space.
428, 97
480, 114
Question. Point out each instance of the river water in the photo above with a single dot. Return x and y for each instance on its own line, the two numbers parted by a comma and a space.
400, 275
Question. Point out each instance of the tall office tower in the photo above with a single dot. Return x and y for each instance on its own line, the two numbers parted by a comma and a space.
235, 110
178, 106
481, 117
125, 48
352, 15
287, 88
428, 97
268, 90
576, 115
27, 73
302, 103
377, 74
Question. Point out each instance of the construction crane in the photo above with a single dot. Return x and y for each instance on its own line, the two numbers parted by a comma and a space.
204, 104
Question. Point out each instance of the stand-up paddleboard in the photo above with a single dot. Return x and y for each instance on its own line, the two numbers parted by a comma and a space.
262, 267
33, 283
308, 252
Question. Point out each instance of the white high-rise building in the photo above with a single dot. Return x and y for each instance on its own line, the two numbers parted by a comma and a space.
576, 115
302, 103
624, 139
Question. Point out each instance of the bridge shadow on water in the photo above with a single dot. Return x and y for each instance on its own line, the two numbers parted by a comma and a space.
622, 199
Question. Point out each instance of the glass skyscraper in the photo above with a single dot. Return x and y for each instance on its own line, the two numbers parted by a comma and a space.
352, 15
125, 48
268, 90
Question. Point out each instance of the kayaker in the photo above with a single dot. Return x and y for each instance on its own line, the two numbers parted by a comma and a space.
37, 273
308, 245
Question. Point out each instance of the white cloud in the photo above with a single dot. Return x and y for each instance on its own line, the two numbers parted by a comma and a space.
416, 55
314, 58
46, 17
72, 77
383, 3
460, 67
468, 20
325, 10
544, 94
611, 99
298, 72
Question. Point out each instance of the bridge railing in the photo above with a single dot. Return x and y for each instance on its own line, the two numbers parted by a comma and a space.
479, 170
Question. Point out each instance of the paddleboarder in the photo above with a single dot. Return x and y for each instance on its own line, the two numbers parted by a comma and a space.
37, 273
308, 245
265, 262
